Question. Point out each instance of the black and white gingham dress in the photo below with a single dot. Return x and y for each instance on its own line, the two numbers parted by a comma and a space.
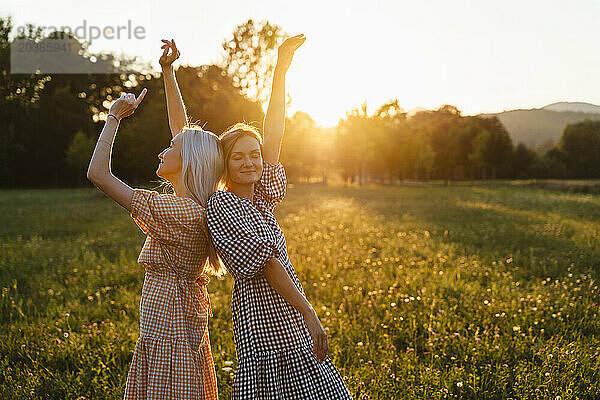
273, 345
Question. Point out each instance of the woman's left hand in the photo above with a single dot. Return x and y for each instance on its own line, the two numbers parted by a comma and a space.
318, 335
126, 104
286, 51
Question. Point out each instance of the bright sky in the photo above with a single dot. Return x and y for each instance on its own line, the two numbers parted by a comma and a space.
480, 55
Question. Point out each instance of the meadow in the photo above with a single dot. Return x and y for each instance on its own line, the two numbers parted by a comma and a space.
428, 292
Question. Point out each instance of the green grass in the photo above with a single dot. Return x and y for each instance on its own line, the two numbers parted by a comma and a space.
477, 292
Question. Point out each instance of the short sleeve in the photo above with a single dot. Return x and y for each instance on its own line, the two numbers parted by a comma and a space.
272, 185
244, 252
163, 217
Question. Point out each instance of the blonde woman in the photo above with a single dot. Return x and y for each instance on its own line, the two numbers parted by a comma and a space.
280, 343
172, 357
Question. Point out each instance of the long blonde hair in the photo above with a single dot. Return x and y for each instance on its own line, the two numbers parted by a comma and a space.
202, 172
202, 167
202, 163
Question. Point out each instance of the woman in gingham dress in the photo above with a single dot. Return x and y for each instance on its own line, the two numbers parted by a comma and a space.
172, 357
280, 344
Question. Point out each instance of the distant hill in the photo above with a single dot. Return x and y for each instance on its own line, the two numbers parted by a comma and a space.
415, 110
573, 107
541, 128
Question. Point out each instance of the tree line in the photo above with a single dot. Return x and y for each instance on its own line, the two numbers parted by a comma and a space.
391, 146
50, 123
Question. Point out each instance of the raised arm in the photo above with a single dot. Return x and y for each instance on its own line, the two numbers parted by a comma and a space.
175, 107
99, 171
274, 123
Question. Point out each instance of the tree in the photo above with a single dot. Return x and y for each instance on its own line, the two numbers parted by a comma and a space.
437, 127
354, 145
580, 143
18, 95
498, 147
300, 150
522, 160
250, 57
78, 154
481, 145
43, 112
548, 166
212, 98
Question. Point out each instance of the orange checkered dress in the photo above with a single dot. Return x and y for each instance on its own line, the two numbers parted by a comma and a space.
172, 357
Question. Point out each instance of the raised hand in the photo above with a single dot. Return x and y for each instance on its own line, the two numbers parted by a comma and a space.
166, 59
126, 104
286, 51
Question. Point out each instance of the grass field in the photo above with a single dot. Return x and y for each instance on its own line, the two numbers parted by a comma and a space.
427, 292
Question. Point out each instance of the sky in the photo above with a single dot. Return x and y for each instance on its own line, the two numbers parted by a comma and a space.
479, 55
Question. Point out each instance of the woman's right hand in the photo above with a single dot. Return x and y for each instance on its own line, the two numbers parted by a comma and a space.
166, 59
318, 335
126, 104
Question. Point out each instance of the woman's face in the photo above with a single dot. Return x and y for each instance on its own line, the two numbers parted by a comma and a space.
245, 163
170, 159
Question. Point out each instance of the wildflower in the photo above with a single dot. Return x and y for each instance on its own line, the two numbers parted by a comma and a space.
459, 384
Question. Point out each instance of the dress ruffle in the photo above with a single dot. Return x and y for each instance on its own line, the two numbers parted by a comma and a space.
165, 368
293, 373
